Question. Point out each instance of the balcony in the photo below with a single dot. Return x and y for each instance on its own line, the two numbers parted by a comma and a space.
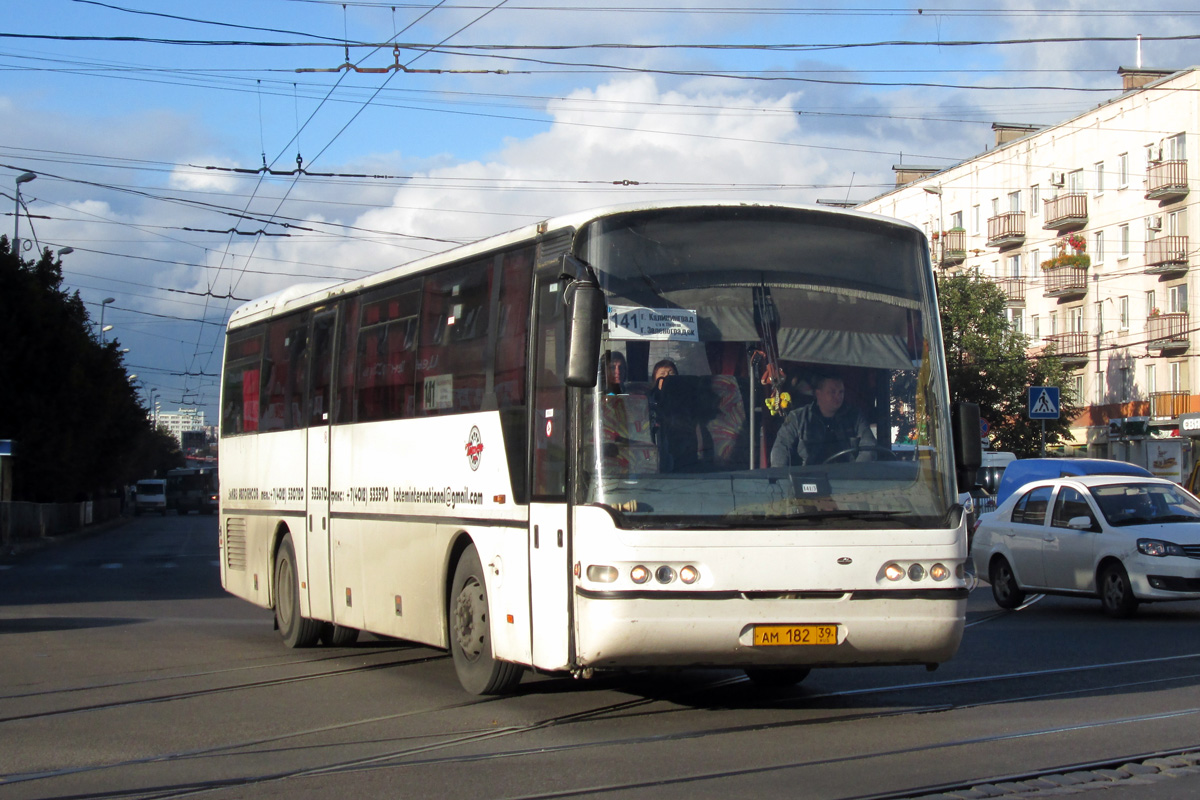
1065, 281
1006, 230
1067, 212
954, 247
1167, 331
1071, 348
1014, 290
1169, 404
1166, 255
1166, 180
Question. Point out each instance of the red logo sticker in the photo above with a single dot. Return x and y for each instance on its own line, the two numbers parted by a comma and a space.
474, 448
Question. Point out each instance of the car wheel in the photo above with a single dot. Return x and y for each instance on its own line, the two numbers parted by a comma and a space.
1116, 593
470, 632
1005, 590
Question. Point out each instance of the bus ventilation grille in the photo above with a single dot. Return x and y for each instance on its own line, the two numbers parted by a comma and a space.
235, 543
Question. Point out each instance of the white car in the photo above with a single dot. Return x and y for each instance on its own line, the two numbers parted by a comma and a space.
1121, 538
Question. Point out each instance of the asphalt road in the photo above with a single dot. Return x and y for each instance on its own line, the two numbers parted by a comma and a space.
125, 671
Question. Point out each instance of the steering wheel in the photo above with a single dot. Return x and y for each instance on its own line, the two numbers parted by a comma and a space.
888, 454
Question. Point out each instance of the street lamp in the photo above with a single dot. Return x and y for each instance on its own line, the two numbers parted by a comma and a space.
24, 177
103, 329
941, 234
65, 251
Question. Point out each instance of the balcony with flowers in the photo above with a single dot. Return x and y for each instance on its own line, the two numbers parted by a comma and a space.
950, 247
1066, 271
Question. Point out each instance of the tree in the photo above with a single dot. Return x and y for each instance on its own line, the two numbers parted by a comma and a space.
988, 364
65, 398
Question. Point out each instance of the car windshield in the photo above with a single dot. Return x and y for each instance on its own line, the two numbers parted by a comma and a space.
766, 367
1141, 503
150, 488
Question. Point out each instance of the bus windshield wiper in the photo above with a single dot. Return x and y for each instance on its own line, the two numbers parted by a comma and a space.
768, 521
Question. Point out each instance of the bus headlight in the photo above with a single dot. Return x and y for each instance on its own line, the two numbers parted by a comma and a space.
894, 572
601, 573
639, 574
939, 572
664, 574
916, 572
689, 574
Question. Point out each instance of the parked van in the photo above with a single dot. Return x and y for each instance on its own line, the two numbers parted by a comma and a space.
1023, 470
150, 495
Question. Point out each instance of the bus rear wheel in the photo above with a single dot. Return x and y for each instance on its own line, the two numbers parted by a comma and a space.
338, 635
296, 630
470, 633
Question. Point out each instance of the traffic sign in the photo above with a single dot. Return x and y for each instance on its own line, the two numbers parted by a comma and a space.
1043, 402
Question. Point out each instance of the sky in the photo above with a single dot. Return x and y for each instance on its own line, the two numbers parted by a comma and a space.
167, 136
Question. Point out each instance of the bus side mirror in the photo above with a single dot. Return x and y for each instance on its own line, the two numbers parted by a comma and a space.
968, 450
587, 317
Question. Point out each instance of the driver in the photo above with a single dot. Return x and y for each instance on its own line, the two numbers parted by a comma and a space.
822, 428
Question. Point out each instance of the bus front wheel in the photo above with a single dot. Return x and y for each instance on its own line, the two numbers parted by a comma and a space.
470, 635
296, 630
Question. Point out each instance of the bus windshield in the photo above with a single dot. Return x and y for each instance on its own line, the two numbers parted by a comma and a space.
766, 367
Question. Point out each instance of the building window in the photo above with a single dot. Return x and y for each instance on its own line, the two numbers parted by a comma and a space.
956, 220
1099, 167
1123, 171
1078, 381
996, 269
1075, 318
1177, 223
995, 206
1125, 241
1098, 248
1150, 382
1014, 265
1176, 376
1075, 182
1035, 327
975, 220
1177, 299
1123, 311
1175, 150
1016, 318
1035, 200
1151, 304
1014, 202
1053, 323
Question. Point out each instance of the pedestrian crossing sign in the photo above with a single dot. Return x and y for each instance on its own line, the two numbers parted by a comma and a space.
1043, 402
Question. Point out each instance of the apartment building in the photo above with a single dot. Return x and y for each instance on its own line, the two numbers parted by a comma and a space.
1085, 226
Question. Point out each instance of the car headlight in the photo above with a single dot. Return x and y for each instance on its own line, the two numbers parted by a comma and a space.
1159, 548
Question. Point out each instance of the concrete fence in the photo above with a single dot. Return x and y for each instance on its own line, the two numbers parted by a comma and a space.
23, 522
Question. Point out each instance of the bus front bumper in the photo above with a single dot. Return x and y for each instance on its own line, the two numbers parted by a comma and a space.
716, 629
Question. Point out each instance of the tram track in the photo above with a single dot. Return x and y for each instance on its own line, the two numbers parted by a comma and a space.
195, 693
433, 753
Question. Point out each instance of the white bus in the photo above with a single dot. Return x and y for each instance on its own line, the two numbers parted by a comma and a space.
438, 452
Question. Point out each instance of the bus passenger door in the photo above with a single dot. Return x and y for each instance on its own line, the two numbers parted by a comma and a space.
320, 595
550, 618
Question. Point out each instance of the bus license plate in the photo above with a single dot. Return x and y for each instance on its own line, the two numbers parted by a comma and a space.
769, 635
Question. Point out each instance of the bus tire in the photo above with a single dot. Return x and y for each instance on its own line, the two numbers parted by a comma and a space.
296, 630
766, 678
338, 635
470, 634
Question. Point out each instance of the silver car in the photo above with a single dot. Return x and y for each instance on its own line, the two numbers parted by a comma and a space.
1123, 539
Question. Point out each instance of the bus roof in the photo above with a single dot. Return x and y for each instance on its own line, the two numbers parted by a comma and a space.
305, 294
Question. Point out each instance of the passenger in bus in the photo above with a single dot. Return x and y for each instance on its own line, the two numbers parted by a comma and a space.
616, 372
823, 428
663, 369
